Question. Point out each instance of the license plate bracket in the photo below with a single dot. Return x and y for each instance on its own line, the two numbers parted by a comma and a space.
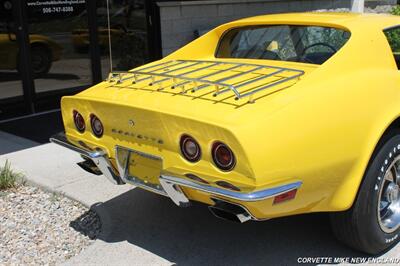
139, 169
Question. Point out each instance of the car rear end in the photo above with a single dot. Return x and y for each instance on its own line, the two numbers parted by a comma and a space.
177, 127
180, 145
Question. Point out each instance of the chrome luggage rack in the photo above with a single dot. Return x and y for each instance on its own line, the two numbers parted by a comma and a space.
217, 74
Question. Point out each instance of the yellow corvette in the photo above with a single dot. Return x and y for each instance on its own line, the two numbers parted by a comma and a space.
260, 118
80, 37
44, 52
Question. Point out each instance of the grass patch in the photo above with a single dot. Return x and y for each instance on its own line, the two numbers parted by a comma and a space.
55, 197
8, 177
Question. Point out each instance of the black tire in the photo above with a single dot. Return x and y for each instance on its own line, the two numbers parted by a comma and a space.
359, 227
41, 60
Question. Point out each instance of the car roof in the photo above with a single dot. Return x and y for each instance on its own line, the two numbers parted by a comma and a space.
346, 20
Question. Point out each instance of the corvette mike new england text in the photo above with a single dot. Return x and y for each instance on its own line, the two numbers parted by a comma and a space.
335, 260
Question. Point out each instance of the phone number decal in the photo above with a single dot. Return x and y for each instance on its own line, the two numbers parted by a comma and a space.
64, 9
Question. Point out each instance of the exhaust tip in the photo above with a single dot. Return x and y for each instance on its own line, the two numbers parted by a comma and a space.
90, 166
229, 212
224, 215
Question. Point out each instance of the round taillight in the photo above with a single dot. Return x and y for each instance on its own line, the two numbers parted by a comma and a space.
223, 156
97, 126
79, 121
190, 148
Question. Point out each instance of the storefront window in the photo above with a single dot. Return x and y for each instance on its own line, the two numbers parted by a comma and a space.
10, 77
128, 30
58, 33
55, 36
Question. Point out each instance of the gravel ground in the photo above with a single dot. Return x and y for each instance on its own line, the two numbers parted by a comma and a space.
38, 227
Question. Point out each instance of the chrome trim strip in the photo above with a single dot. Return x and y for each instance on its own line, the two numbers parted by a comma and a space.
62, 140
247, 197
99, 157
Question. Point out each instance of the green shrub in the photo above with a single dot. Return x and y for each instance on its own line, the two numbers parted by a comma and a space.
396, 11
9, 178
393, 36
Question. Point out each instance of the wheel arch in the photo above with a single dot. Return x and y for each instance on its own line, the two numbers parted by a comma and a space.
44, 45
344, 202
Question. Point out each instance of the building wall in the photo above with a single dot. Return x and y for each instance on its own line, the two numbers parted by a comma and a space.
181, 19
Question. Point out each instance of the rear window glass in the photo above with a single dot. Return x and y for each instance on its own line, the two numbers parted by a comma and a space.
306, 44
393, 37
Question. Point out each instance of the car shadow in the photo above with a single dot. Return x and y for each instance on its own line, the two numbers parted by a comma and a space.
59, 76
9, 76
192, 236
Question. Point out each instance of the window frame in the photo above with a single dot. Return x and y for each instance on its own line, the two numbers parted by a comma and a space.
397, 65
337, 27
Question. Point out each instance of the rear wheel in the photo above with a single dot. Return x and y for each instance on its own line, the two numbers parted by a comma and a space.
41, 60
372, 225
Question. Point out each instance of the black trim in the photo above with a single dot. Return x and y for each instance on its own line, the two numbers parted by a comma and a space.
94, 49
385, 33
153, 30
391, 27
25, 62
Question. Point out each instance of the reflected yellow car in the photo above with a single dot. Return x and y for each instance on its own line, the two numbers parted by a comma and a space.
260, 118
80, 37
44, 51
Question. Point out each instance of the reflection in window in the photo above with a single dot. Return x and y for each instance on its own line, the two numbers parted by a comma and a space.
128, 33
306, 44
56, 64
393, 37
10, 78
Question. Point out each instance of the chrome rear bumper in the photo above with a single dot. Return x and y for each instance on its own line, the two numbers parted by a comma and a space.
99, 157
170, 185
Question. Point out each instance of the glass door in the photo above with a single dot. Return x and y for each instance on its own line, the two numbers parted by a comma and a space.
59, 46
49, 49
127, 35
11, 92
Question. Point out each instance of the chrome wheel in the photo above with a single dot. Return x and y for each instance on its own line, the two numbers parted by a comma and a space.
389, 198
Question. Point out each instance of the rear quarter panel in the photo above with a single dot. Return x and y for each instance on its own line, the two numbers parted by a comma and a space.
327, 133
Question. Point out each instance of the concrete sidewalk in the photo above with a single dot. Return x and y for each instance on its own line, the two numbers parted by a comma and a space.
10, 143
54, 168
140, 228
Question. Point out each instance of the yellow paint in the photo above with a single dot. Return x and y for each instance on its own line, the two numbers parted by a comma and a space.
80, 37
321, 130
